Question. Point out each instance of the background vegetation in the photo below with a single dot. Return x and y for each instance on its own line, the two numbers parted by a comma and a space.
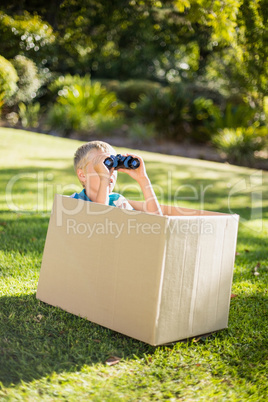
175, 70
49, 355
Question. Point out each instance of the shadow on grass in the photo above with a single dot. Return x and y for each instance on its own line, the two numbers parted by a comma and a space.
38, 339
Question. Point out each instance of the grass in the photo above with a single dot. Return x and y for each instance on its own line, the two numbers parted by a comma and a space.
47, 354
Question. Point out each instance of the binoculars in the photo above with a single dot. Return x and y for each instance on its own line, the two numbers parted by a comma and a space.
121, 162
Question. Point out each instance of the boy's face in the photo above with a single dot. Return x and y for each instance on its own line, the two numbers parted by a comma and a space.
92, 178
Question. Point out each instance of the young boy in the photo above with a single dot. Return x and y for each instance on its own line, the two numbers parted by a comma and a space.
99, 181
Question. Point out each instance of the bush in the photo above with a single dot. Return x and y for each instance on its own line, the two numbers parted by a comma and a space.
203, 115
66, 81
142, 133
131, 91
197, 90
240, 144
81, 105
29, 114
167, 108
178, 111
8, 80
28, 83
235, 116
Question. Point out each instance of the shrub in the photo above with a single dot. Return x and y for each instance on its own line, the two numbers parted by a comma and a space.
177, 112
167, 109
197, 90
8, 80
235, 116
131, 91
66, 81
142, 132
81, 105
28, 83
12, 118
203, 115
240, 144
29, 114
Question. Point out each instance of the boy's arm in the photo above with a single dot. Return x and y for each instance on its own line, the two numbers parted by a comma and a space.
140, 175
102, 195
103, 192
151, 202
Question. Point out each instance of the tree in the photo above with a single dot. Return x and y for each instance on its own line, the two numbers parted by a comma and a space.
168, 40
253, 40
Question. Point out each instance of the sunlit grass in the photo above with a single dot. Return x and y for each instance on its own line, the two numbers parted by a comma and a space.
47, 354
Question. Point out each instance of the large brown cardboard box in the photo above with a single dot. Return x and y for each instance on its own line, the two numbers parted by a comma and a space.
158, 279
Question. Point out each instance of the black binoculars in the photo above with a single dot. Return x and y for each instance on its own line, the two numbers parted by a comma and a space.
121, 162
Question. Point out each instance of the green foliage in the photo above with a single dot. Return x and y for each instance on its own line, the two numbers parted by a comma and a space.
28, 83
25, 34
167, 109
165, 40
66, 81
131, 91
142, 133
8, 79
252, 39
203, 114
29, 114
234, 116
240, 144
81, 105
220, 45
166, 31
179, 112
220, 16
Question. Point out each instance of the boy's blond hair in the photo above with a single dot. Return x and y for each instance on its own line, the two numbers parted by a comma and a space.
81, 154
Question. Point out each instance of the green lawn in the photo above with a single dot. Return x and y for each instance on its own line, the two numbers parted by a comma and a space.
47, 354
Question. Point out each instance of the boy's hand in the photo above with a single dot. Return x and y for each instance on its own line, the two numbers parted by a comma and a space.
138, 174
107, 178
99, 166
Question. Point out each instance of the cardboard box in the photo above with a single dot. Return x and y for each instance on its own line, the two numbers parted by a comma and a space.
158, 279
